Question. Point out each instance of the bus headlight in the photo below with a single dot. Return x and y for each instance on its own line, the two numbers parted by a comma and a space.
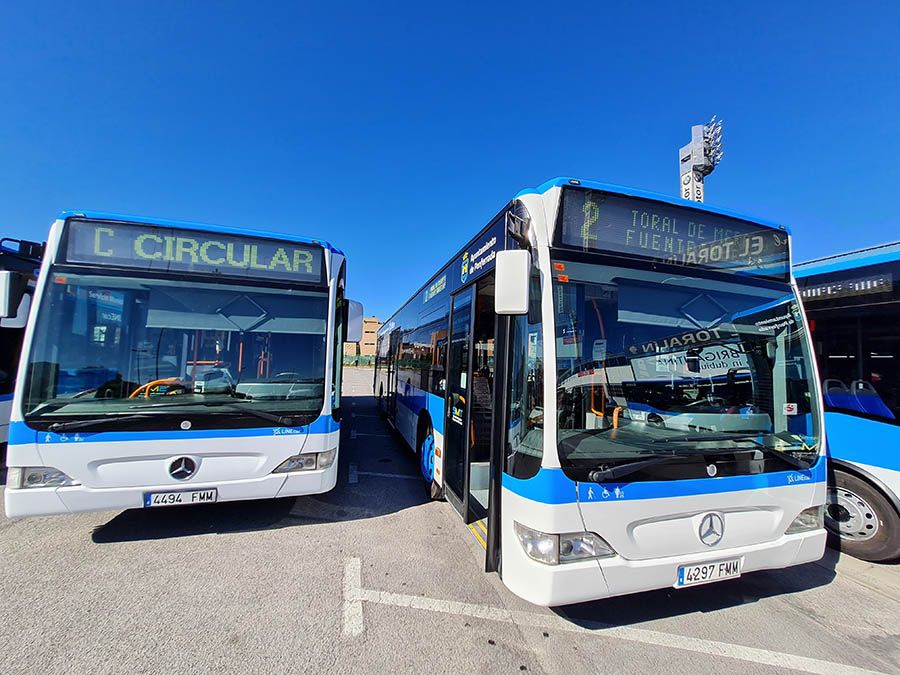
583, 545
37, 477
326, 458
307, 461
812, 518
555, 549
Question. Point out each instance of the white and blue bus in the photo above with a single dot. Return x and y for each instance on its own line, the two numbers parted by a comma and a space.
615, 389
852, 301
19, 263
169, 363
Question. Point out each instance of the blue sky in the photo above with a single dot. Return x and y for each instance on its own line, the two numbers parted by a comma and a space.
396, 131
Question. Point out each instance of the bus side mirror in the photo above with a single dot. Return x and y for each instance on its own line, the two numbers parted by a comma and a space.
512, 280
12, 287
354, 321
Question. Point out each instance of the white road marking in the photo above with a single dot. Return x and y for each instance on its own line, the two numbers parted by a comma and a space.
388, 475
352, 475
355, 434
353, 612
355, 595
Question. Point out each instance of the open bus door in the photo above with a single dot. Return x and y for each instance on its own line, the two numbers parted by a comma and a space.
393, 358
472, 449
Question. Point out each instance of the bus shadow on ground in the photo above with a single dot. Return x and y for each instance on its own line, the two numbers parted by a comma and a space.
255, 515
669, 603
369, 498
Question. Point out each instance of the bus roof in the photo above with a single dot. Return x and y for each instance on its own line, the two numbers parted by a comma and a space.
863, 257
563, 181
205, 227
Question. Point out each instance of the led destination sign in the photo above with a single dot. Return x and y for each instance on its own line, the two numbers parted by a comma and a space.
147, 247
876, 284
603, 222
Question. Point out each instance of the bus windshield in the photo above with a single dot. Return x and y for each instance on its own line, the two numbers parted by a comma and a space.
109, 344
651, 364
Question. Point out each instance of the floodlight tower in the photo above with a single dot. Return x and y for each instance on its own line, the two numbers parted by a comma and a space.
700, 157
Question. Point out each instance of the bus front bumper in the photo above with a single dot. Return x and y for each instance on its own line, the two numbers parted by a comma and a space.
550, 586
24, 502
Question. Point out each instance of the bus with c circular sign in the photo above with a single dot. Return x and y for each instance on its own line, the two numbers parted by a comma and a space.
169, 363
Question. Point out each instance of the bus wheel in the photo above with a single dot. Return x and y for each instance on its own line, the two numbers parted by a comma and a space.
426, 462
860, 520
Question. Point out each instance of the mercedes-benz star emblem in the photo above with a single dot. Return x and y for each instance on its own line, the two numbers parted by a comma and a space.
182, 468
712, 528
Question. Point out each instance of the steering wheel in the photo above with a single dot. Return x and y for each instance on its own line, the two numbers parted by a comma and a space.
656, 421
177, 387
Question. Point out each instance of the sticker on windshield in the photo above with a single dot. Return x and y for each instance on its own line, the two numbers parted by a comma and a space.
790, 409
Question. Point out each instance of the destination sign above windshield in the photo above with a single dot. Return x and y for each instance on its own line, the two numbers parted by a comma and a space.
151, 248
592, 220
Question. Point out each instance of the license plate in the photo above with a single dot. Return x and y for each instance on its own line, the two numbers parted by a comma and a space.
152, 499
704, 573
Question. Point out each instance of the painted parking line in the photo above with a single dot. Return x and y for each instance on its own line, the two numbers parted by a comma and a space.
353, 614
354, 624
388, 475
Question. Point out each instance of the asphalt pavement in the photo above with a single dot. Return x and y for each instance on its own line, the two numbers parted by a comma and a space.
372, 577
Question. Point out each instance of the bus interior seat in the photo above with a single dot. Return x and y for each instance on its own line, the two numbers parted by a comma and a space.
838, 395
868, 399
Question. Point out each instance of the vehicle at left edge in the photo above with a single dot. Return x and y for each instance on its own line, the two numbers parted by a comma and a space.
172, 363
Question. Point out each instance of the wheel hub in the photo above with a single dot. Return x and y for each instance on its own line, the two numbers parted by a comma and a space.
849, 515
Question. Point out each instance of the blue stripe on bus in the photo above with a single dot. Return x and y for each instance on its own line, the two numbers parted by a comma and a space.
6, 397
634, 192
863, 441
761, 308
21, 434
814, 268
418, 400
549, 486
552, 486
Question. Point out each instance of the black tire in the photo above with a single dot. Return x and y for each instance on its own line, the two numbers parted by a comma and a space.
433, 490
860, 520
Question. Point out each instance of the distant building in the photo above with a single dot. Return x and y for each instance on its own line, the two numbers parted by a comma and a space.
363, 351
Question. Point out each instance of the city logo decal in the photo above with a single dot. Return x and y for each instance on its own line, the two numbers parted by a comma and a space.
464, 271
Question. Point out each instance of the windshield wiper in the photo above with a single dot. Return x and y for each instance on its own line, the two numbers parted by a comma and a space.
77, 424
739, 436
621, 470
280, 420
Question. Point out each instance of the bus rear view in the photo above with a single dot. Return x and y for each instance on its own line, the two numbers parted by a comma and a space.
175, 363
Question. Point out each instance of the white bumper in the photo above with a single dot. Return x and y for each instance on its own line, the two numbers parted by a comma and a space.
569, 583
77, 498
